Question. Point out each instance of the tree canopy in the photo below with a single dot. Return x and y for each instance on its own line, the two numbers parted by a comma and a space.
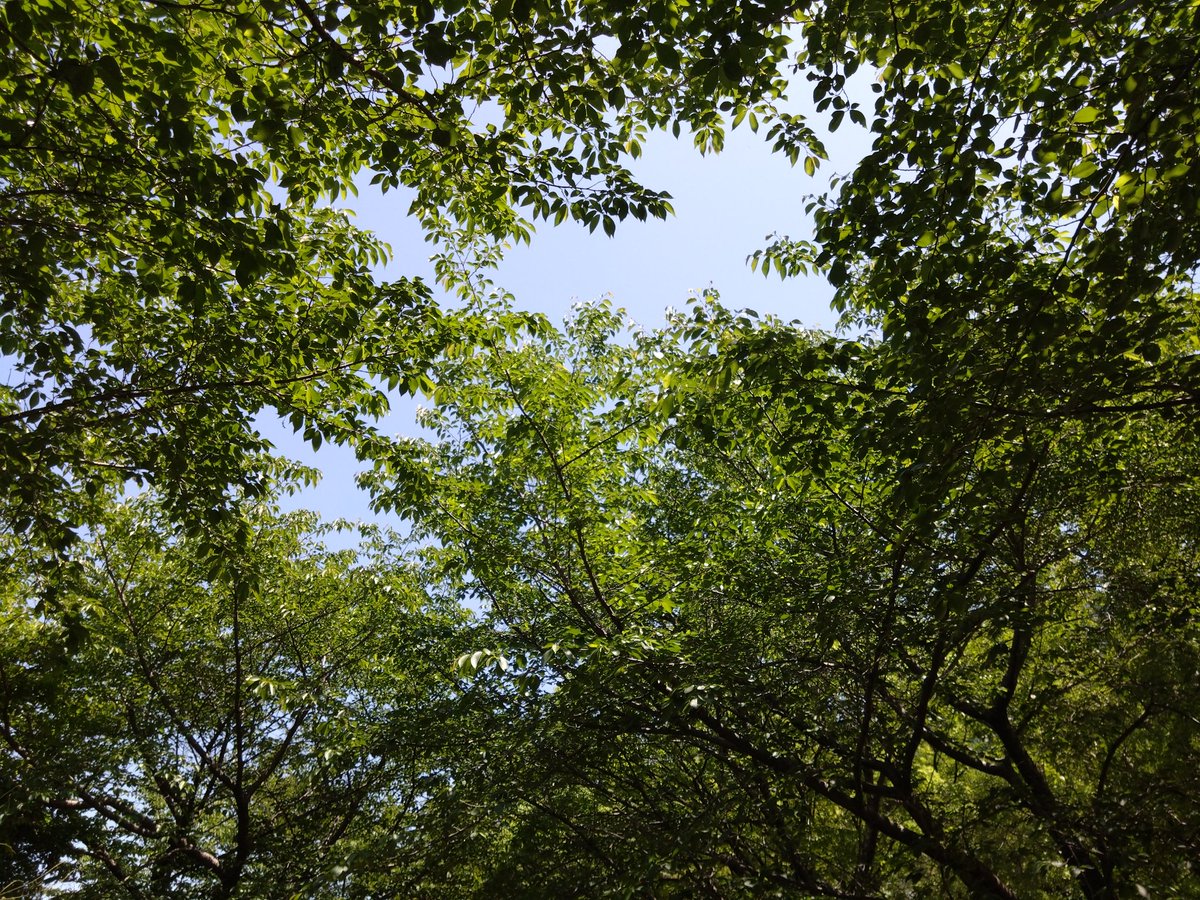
172, 265
771, 669
731, 608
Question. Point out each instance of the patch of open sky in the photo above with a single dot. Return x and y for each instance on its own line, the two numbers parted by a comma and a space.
725, 205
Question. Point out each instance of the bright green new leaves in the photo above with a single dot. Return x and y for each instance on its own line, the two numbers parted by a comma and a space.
542, 430
247, 715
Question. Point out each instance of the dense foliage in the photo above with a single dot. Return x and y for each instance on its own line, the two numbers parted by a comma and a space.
745, 662
728, 609
247, 713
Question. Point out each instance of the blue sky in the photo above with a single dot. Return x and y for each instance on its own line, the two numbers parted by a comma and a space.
725, 205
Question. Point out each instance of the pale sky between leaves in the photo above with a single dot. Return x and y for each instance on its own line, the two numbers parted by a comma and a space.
725, 206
